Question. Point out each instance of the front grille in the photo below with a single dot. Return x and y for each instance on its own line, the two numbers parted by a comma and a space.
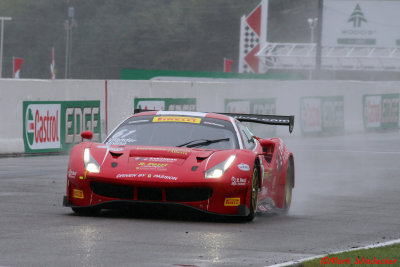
181, 194
188, 194
112, 190
149, 193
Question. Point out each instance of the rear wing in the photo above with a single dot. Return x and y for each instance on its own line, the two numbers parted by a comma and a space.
264, 119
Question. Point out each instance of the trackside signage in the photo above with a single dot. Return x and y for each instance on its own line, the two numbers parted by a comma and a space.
381, 111
361, 23
55, 126
322, 114
265, 106
42, 126
170, 104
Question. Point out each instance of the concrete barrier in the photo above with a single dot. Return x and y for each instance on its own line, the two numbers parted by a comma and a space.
319, 106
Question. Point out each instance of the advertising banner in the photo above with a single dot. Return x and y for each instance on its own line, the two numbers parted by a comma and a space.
171, 104
55, 126
381, 111
368, 23
322, 114
266, 106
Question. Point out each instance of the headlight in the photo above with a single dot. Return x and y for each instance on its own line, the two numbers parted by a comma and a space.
91, 164
218, 170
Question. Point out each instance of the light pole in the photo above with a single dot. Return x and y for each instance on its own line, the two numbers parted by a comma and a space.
312, 23
1, 43
68, 24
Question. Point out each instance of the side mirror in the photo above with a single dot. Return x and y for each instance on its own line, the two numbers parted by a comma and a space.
87, 135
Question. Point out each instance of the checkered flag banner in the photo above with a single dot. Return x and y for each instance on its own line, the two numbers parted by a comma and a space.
250, 35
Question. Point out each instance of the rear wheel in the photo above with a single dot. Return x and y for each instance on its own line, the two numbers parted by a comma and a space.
288, 187
254, 195
86, 211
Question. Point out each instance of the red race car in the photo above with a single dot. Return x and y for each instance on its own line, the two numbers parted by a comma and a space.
207, 161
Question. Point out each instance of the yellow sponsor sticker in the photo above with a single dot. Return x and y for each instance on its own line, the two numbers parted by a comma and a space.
232, 201
76, 193
177, 119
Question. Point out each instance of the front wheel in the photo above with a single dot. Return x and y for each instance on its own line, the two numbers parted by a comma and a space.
254, 195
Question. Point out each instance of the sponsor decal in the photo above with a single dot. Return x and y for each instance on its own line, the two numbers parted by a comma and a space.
42, 126
243, 167
168, 160
232, 201
71, 174
173, 150
152, 166
238, 181
161, 176
126, 175
76, 193
177, 119
146, 175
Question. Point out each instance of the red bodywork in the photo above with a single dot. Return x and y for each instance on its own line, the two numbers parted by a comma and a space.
177, 175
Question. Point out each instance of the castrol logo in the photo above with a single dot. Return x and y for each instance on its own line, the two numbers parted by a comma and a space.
42, 127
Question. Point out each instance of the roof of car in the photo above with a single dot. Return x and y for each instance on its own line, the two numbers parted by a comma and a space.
184, 113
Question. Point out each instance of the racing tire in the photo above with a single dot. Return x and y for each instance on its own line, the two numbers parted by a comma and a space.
288, 187
86, 211
254, 195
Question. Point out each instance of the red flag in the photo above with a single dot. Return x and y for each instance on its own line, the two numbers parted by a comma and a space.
227, 65
52, 65
17, 63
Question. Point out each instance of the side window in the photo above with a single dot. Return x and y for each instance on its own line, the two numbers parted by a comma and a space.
247, 137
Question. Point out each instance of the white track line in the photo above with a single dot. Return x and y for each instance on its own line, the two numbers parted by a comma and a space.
289, 263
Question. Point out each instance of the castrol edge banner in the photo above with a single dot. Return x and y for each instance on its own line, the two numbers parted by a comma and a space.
42, 126
55, 126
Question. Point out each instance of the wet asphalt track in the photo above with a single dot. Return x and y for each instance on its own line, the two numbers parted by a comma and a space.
347, 195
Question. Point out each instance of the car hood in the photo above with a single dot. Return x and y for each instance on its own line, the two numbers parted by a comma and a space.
153, 163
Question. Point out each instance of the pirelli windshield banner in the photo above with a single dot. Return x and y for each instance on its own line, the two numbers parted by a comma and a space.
55, 126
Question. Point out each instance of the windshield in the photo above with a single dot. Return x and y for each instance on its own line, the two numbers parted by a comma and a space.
180, 131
